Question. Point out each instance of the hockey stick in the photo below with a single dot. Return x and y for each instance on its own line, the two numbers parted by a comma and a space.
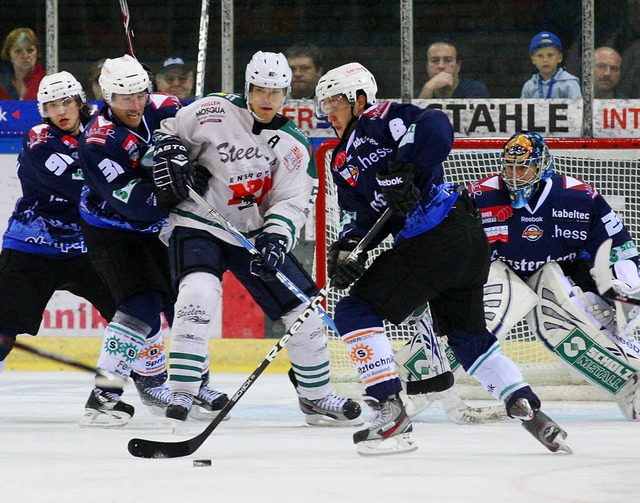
202, 49
102, 379
231, 229
124, 7
604, 278
142, 448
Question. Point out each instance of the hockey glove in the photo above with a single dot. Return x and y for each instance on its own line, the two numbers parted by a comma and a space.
172, 170
397, 187
273, 249
201, 177
341, 271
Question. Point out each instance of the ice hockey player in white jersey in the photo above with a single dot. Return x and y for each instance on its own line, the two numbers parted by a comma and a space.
545, 229
263, 181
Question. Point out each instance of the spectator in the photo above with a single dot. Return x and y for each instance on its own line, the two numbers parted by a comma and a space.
443, 68
20, 76
606, 73
96, 90
305, 61
551, 80
176, 78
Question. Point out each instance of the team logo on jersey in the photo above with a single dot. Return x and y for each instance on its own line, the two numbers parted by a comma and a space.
361, 353
101, 129
339, 160
497, 234
130, 144
38, 134
571, 215
532, 233
70, 141
350, 174
293, 159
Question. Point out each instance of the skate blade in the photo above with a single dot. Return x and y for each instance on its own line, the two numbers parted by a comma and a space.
478, 415
202, 414
105, 420
326, 421
398, 444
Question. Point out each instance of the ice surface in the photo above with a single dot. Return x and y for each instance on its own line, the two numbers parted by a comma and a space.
266, 453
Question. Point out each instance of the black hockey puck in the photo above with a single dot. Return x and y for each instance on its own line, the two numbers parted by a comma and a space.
201, 462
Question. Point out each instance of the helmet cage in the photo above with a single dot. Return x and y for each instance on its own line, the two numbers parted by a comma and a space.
527, 157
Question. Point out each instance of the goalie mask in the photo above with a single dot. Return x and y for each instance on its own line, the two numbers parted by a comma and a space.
56, 87
124, 75
525, 162
344, 81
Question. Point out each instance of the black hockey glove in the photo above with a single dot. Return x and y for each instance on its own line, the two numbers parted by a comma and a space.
172, 170
341, 271
273, 248
201, 177
397, 187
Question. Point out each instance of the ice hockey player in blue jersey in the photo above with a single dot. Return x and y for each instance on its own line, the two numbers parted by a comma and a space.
43, 249
122, 214
544, 229
390, 155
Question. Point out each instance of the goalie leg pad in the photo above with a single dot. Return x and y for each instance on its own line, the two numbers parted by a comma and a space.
566, 327
507, 299
198, 295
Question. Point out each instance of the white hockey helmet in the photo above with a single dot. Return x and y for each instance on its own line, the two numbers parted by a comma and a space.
123, 75
57, 86
345, 80
268, 69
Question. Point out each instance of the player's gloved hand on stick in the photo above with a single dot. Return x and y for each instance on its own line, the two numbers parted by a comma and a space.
273, 248
201, 177
398, 188
172, 170
341, 271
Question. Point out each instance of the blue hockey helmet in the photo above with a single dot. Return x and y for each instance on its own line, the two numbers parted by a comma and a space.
525, 162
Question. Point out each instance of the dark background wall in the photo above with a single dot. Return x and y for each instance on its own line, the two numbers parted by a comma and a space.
492, 36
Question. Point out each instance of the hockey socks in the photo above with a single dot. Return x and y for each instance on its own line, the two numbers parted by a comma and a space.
497, 373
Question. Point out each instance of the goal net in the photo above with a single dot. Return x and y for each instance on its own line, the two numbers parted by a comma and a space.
611, 166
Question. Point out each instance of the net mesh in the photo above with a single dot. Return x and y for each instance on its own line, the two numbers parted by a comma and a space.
610, 166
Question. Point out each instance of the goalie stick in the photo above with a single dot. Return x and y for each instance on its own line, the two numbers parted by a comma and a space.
102, 378
124, 7
231, 229
142, 448
605, 281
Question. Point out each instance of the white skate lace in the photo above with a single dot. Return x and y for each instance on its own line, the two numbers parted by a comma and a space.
106, 396
208, 395
383, 414
183, 399
161, 393
330, 402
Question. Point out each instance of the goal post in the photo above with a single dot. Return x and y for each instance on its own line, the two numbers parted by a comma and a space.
611, 166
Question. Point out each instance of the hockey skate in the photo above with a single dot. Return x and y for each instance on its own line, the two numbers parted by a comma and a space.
180, 406
542, 427
104, 409
154, 392
389, 430
209, 401
331, 410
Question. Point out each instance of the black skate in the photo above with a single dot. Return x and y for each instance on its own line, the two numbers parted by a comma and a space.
389, 430
209, 401
180, 406
104, 409
331, 410
153, 391
541, 426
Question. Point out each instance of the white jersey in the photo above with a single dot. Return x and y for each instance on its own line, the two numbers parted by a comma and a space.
263, 175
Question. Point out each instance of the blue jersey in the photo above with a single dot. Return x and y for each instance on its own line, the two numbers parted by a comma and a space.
566, 221
46, 219
404, 133
119, 193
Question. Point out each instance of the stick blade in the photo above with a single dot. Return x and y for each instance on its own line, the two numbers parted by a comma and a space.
151, 449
